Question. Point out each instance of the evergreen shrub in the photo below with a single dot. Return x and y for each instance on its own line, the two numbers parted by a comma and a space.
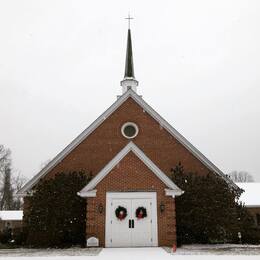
56, 215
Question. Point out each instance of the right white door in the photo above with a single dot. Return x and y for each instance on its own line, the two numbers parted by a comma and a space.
142, 227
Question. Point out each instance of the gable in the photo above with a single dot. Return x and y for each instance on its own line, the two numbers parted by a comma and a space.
102, 140
131, 169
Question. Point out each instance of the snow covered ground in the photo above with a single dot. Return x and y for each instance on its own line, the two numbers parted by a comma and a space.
185, 253
223, 249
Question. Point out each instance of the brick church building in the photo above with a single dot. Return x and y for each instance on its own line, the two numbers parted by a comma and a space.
130, 150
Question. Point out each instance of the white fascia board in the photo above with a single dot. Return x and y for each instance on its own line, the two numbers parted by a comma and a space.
173, 193
140, 154
101, 118
21, 195
88, 194
28, 193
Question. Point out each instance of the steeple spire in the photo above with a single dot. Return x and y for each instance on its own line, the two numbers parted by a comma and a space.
129, 64
129, 80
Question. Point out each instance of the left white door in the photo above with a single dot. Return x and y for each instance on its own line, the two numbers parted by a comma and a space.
120, 233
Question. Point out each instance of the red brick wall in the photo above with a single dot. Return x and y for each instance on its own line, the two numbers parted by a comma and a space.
106, 141
132, 174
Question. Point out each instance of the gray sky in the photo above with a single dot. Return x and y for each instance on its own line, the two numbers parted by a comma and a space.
197, 63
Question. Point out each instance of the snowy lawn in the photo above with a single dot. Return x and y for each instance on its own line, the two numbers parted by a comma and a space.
185, 253
223, 249
49, 252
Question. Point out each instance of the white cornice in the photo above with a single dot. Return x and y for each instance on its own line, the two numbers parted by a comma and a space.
173, 193
88, 194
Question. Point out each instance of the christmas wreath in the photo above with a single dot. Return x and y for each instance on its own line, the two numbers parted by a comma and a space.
121, 213
141, 212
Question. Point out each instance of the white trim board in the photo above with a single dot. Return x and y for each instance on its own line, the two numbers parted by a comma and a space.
130, 93
140, 154
131, 195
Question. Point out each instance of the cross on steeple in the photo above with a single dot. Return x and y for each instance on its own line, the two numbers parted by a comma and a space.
129, 18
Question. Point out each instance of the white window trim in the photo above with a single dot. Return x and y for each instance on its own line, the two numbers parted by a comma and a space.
130, 124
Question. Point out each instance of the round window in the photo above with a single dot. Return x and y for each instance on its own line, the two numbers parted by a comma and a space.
129, 130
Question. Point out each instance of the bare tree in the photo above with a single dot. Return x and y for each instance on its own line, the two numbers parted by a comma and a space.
5, 178
6, 202
241, 176
5, 159
9, 183
4, 154
18, 180
45, 163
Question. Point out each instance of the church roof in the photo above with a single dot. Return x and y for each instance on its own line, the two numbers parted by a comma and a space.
11, 215
140, 154
163, 123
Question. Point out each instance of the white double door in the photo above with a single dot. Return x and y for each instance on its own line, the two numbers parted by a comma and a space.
131, 231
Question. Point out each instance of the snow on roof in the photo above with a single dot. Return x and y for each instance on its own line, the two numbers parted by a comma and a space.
11, 215
251, 194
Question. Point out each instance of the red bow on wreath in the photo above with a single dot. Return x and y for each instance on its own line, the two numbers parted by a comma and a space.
141, 213
121, 215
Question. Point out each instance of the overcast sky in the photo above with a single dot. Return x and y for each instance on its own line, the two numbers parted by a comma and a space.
197, 63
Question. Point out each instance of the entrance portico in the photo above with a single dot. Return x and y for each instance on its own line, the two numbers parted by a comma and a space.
128, 183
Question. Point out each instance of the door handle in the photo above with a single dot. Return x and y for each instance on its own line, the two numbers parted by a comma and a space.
131, 223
